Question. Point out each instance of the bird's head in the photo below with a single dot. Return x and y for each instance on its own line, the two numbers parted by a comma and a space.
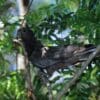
25, 34
27, 37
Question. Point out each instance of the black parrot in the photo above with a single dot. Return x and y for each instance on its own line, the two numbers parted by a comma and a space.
52, 58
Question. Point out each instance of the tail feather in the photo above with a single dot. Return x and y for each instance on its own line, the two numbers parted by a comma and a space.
84, 55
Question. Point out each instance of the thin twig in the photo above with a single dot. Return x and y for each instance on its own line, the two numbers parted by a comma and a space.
29, 85
27, 11
77, 75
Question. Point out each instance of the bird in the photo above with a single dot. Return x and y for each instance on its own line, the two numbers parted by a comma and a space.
52, 58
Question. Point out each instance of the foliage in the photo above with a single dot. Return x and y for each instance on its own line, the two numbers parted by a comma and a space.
82, 18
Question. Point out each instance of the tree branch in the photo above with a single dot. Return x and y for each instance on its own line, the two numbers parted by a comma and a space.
24, 6
78, 74
29, 85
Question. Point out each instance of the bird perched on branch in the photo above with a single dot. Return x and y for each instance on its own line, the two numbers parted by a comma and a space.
52, 58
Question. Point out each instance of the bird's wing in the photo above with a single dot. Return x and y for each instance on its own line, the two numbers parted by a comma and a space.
62, 56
